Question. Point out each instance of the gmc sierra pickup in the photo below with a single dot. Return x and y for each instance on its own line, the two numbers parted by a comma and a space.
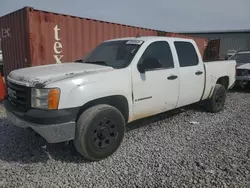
122, 80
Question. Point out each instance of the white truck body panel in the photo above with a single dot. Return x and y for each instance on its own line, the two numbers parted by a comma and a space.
80, 83
49, 73
153, 85
216, 70
191, 89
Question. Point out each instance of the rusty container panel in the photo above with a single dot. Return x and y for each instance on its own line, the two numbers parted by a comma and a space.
201, 42
212, 52
56, 38
0, 36
14, 40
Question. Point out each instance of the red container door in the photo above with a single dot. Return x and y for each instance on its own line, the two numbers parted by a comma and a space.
212, 51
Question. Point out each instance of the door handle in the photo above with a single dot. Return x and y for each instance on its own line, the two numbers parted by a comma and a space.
198, 72
172, 77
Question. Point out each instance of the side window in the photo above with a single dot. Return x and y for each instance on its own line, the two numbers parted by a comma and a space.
186, 54
157, 55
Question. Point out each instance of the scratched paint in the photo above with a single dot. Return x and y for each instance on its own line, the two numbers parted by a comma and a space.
31, 78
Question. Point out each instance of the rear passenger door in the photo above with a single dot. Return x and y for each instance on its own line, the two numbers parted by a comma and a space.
191, 73
157, 89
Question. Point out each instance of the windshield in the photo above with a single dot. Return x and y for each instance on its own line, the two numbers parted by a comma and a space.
116, 54
241, 58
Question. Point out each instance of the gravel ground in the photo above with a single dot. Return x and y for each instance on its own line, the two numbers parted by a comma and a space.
163, 151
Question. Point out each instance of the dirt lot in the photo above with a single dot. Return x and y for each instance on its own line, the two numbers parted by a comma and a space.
168, 150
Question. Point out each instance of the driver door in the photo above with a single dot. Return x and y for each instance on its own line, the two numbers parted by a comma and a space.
157, 89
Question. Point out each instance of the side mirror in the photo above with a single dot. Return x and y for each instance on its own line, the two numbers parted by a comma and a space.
141, 68
148, 64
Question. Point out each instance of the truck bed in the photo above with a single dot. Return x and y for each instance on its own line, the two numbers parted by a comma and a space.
215, 70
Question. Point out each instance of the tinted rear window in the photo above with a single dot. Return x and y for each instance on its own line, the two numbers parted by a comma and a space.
186, 54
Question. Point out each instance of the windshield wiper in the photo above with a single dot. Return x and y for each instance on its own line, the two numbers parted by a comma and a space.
96, 62
93, 62
79, 61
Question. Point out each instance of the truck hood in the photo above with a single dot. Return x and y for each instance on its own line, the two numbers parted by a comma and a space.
243, 66
42, 75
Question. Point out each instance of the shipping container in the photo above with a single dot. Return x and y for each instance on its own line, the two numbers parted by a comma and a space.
33, 37
14, 40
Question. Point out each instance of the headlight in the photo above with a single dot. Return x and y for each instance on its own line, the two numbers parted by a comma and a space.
45, 98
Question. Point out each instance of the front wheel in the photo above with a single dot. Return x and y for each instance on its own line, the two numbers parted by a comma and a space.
99, 132
217, 101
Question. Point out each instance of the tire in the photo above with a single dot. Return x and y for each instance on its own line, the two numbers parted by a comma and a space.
99, 132
217, 102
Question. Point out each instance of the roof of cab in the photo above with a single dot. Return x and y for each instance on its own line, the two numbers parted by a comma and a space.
150, 38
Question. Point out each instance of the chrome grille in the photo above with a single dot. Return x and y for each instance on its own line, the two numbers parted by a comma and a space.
19, 96
242, 72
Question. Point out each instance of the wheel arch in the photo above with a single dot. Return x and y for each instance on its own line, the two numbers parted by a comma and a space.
118, 101
224, 80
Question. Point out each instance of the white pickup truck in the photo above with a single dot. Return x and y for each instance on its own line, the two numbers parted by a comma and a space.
122, 80
242, 59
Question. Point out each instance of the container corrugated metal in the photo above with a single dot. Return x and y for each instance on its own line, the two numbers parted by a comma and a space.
0, 36
201, 42
40, 38
14, 40
55, 36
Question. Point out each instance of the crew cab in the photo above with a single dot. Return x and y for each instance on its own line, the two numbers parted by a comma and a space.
122, 80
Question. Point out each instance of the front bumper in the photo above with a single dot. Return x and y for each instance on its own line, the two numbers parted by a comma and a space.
54, 126
243, 78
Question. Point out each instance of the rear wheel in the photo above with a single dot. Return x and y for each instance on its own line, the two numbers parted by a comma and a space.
99, 132
217, 101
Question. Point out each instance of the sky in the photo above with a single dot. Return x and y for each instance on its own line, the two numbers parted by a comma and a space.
165, 15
